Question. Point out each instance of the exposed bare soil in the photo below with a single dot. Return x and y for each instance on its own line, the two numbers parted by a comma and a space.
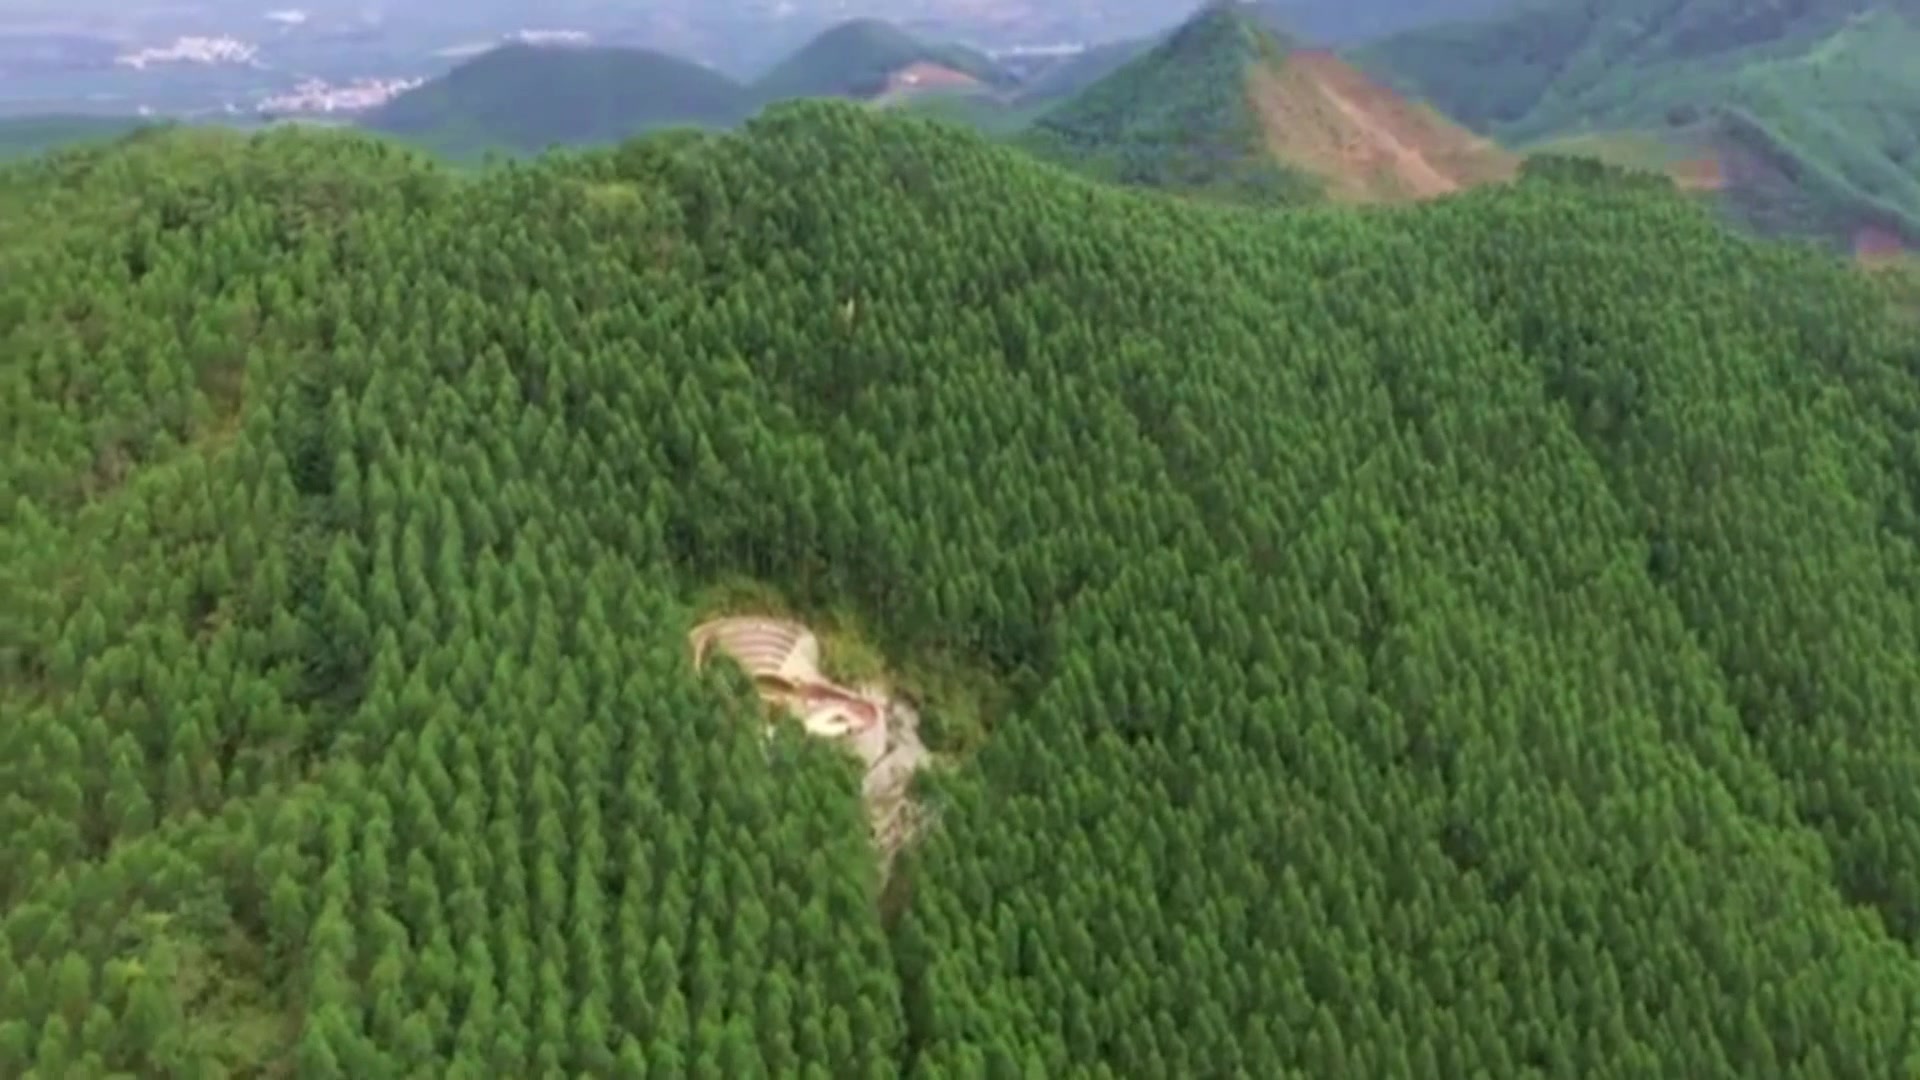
1875, 246
1370, 144
924, 77
930, 76
1699, 174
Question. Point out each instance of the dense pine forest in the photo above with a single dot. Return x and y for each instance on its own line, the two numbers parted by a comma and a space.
1180, 117
1474, 639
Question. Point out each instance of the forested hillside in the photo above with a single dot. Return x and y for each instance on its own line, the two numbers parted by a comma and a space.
522, 99
855, 59
1467, 639
1815, 106
1230, 108
1178, 117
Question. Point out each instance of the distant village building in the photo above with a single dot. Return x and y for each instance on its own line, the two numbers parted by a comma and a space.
208, 51
318, 96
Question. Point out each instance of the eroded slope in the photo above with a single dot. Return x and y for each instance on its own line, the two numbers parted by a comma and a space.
1367, 143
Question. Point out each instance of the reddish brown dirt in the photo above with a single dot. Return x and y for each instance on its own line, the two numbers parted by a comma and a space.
1369, 143
1875, 246
1699, 174
928, 76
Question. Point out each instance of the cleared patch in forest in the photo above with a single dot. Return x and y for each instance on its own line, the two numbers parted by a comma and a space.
1321, 115
787, 662
783, 658
939, 704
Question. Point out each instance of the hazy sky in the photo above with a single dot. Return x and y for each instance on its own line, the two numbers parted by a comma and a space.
704, 26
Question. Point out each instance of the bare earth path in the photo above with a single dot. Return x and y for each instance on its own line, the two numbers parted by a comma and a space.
1370, 144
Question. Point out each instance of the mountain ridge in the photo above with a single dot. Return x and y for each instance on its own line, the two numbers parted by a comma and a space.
1232, 103
521, 98
856, 58
1814, 105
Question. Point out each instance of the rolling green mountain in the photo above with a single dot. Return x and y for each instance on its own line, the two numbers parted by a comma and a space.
1811, 107
1471, 639
1178, 116
857, 58
521, 99
1311, 20
1229, 107
1073, 74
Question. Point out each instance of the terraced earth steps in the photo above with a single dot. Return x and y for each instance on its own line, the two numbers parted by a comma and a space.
783, 658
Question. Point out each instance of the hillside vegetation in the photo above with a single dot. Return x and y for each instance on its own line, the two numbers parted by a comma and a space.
1228, 107
1179, 117
856, 58
1815, 107
525, 98
1466, 639
522, 99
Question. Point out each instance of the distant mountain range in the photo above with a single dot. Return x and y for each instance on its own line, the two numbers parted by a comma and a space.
525, 98
1804, 114
1231, 105
1799, 117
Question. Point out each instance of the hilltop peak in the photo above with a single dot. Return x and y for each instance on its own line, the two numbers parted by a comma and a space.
861, 57
1244, 24
1229, 104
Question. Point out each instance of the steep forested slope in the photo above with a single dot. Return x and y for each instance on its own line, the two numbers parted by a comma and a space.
525, 98
1178, 117
1467, 639
1228, 107
1815, 103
